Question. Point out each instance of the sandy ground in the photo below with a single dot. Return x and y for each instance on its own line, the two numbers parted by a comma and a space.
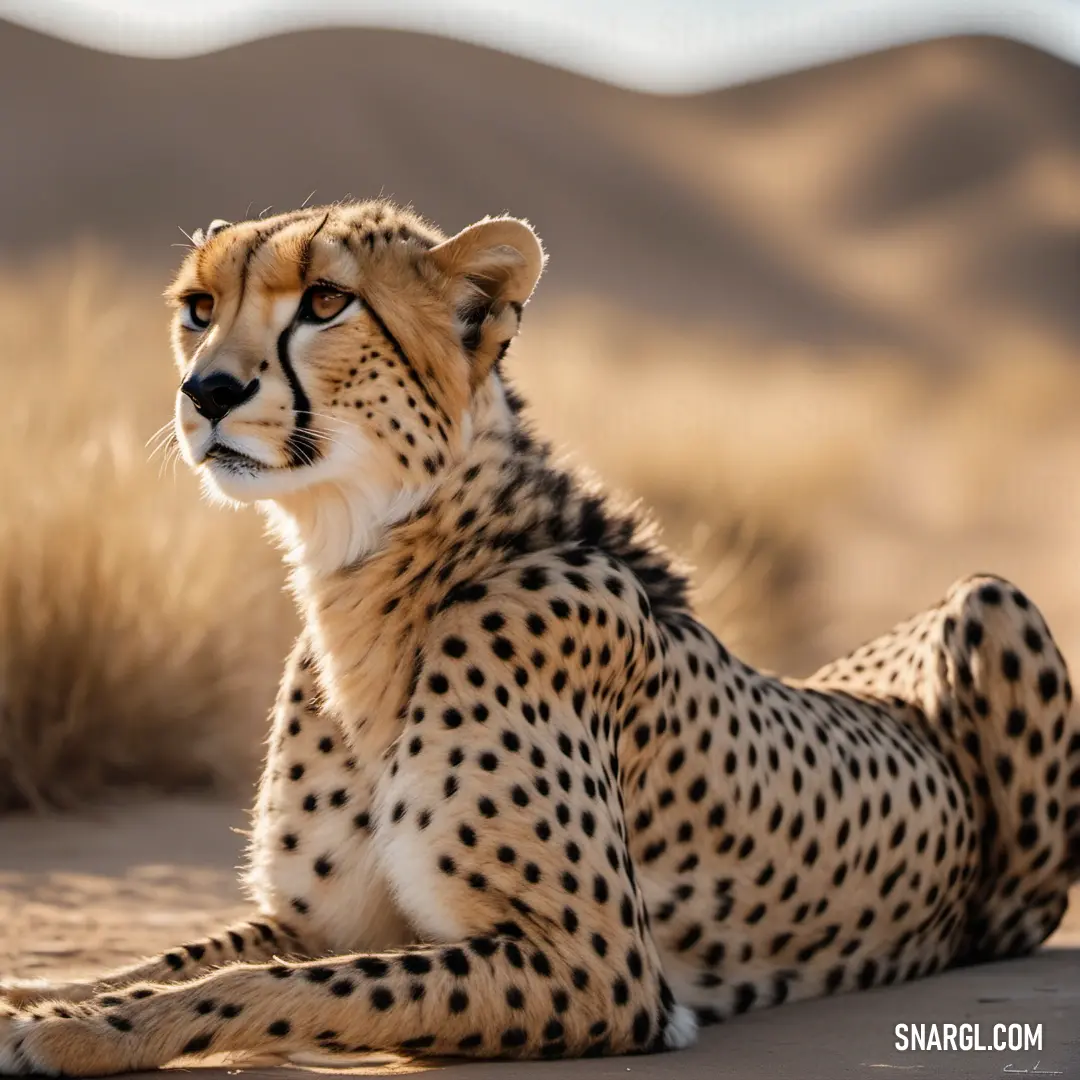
79, 894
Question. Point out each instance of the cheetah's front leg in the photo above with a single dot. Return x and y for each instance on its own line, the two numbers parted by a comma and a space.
257, 939
495, 995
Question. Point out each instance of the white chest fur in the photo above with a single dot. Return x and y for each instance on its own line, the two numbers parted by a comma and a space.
313, 863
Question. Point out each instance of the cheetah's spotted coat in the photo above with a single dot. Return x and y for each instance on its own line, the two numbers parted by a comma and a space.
517, 800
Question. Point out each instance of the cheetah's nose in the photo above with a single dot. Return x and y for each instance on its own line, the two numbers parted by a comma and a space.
217, 394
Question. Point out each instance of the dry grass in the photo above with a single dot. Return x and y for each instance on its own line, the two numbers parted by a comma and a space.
141, 631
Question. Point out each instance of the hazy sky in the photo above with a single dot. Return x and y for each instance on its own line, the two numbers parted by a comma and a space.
665, 45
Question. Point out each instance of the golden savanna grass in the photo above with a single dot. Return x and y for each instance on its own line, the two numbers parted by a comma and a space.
821, 499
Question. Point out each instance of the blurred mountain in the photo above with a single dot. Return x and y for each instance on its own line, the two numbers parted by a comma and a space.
923, 201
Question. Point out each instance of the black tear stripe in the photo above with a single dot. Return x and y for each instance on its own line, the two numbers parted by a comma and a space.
301, 448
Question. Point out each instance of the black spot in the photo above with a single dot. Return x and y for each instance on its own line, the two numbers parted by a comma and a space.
642, 1027
416, 963
533, 579
373, 967
691, 936
455, 961
483, 946
1010, 665
1048, 685
455, 647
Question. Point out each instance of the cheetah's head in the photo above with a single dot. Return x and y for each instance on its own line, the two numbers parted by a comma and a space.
333, 357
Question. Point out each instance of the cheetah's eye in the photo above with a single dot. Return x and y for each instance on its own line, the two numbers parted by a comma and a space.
197, 312
322, 303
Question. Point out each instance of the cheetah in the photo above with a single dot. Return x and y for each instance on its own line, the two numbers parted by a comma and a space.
517, 801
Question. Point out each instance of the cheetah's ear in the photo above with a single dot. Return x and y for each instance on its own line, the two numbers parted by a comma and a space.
200, 236
490, 270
